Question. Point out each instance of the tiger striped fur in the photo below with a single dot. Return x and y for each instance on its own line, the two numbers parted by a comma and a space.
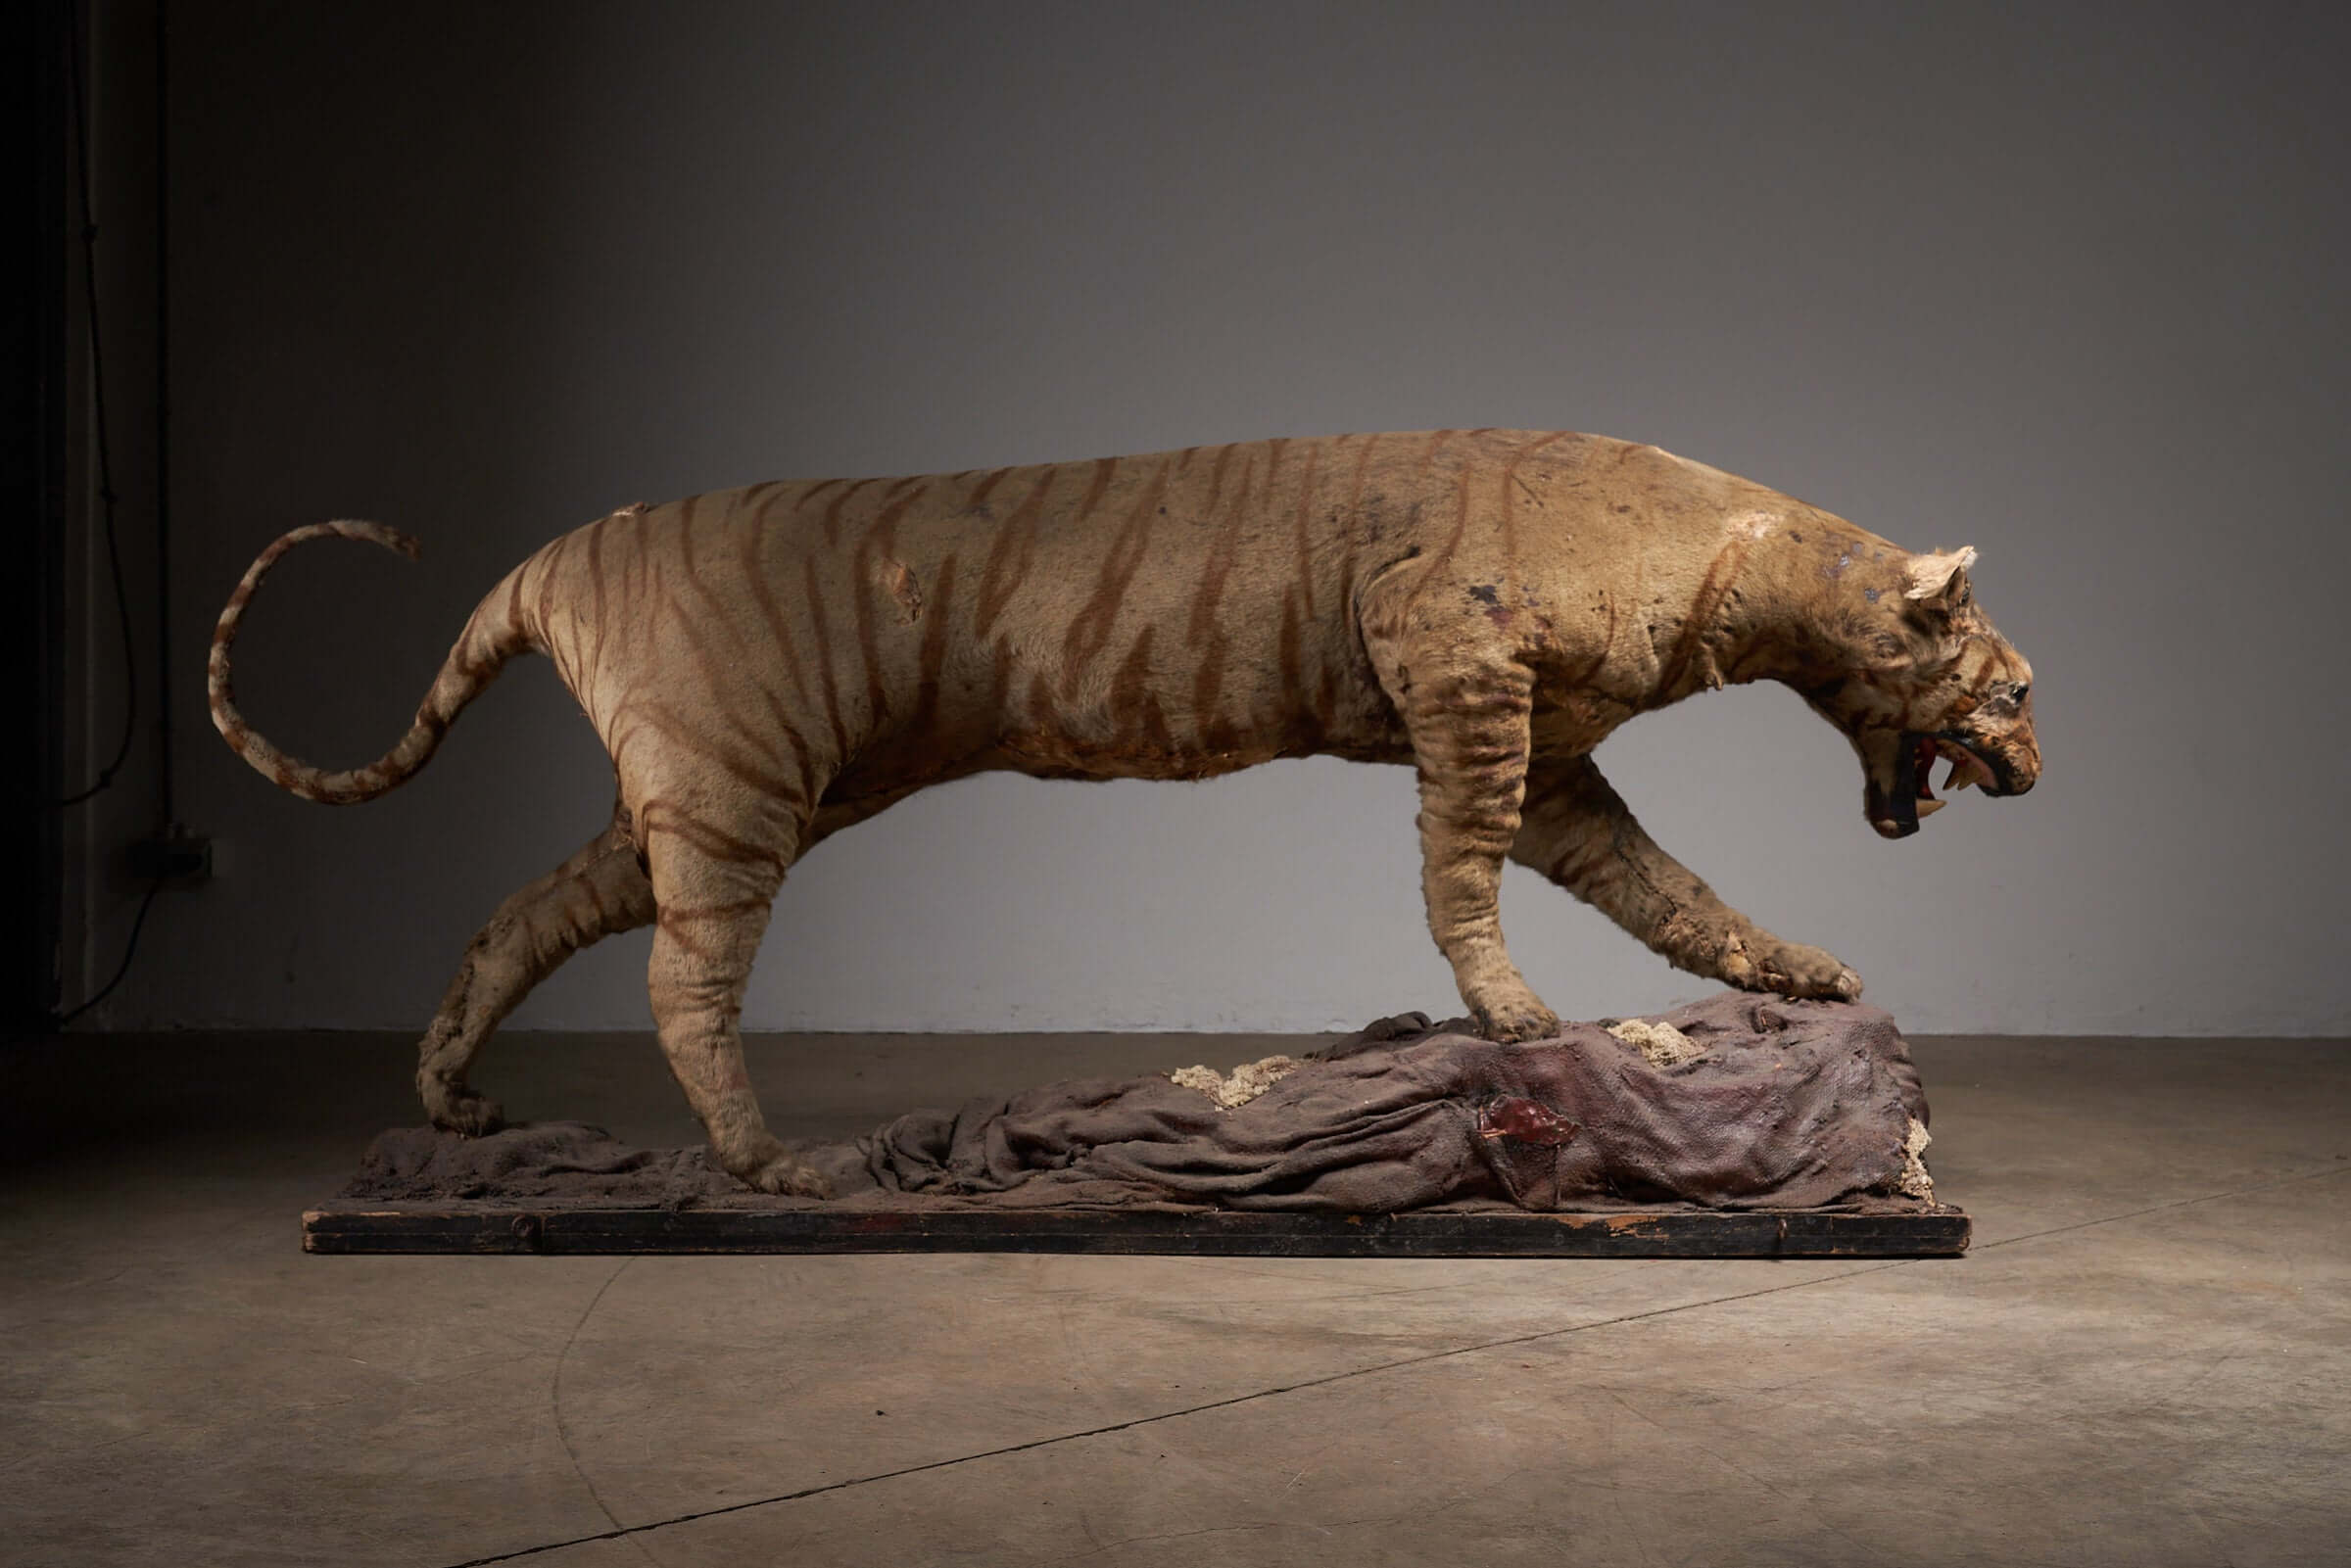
769, 665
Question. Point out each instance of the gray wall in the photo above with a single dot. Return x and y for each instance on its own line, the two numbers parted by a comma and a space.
2063, 287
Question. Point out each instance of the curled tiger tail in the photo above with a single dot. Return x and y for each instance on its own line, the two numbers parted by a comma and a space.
494, 634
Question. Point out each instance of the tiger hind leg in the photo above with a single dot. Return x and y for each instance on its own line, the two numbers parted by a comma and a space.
595, 893
714, 886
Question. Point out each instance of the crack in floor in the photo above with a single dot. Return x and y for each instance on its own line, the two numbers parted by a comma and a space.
555, 1402
2157, 1208
627, 1531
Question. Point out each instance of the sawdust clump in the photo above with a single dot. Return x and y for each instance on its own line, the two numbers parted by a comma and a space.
1242, 1084
1662, 1043
1914, 1182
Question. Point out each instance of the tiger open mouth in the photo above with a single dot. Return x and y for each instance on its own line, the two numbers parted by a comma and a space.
1895, 813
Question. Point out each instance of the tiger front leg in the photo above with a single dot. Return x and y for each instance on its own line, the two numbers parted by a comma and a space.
1576, 831
1469, 734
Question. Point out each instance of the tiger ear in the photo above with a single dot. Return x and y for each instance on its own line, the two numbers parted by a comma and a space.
1938, 578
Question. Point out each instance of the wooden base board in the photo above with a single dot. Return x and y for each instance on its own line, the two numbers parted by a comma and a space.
1894, 1232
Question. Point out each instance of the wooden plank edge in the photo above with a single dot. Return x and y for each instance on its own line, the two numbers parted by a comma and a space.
575, 1232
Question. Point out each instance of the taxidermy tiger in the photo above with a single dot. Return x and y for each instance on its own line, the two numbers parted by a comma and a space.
769, 665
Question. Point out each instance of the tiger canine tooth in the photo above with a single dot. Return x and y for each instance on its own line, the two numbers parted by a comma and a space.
1927, 808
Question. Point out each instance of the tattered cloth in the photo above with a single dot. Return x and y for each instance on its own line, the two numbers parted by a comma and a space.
1785, 1105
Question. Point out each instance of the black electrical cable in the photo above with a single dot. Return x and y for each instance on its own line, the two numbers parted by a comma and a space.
106, 468
163, 421
128, 949
105, 487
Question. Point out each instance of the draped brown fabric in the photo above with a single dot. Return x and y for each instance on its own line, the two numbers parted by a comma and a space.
1788, 1104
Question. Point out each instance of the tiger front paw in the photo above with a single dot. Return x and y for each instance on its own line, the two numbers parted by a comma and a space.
1507, 1020
1792, 969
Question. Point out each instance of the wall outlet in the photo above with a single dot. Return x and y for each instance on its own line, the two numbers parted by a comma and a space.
178, 856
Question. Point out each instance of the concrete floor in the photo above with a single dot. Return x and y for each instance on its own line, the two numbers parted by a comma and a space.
2146, 1359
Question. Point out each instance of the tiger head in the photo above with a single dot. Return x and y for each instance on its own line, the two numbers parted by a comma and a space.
1922, 675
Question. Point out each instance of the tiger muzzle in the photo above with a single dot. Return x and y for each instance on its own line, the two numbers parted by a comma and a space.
2010, 773
1895, 806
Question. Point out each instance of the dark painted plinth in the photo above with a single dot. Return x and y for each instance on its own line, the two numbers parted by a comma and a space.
1912, 1230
